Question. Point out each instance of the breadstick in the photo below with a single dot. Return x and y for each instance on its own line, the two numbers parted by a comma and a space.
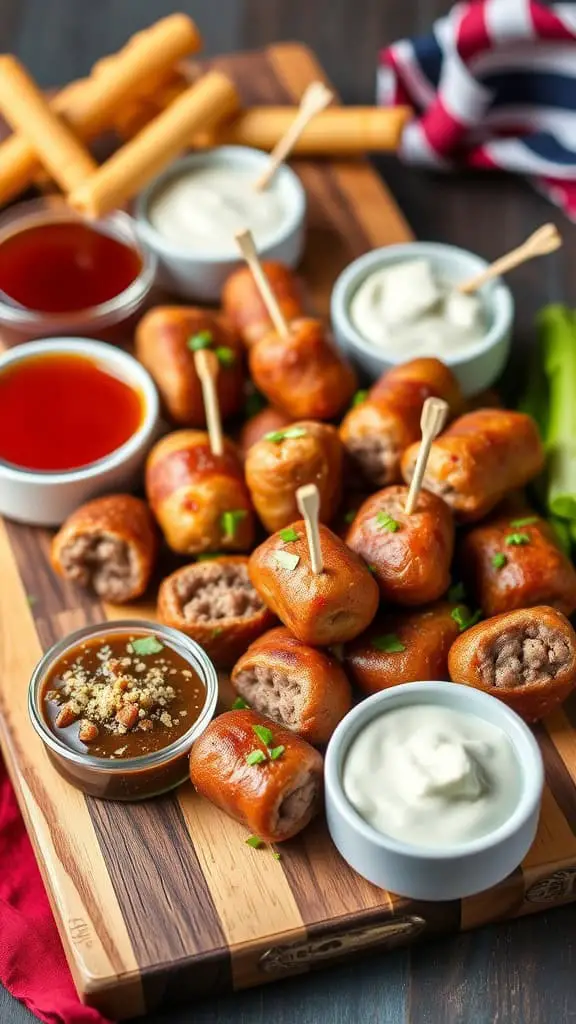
340, 130
136, 163
90, 106
26, 110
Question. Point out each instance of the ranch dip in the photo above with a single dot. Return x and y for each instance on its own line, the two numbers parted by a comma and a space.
432, 776
408, 310
204, 207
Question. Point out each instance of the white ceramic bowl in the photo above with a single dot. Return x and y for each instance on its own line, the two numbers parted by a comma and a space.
432, 873
479, 365
47, 498
198, 275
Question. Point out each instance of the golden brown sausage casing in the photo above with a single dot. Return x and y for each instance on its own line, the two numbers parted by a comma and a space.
410, 555
214, 603
307, 452
199, 499
526, 658
376, 432
244, 307
320, 609
263, 422
403, 647
478, 459
110, 544
514, 561
163, 345
276, 798
303, 375
298, 686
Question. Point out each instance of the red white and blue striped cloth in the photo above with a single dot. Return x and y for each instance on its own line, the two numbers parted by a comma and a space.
493, 86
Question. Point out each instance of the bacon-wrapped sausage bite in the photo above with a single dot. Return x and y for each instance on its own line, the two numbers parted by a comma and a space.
514, 561
244, 307
320, 609
199, 499
404, 647
108, 544
478, 459
259, 773
215, 603
266, 421
526, 658
410, 555
307, 452
298, 686
303, 375
166, 339
378, 430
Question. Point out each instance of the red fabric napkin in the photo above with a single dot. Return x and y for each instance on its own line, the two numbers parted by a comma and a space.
32, 962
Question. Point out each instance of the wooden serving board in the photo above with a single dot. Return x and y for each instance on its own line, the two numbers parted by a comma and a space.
163, 901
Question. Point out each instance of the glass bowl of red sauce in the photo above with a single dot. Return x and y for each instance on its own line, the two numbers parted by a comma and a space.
77, 418
119, 705
63, 275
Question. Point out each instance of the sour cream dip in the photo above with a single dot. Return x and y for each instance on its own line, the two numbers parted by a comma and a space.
202, 208
432, 776
408, 309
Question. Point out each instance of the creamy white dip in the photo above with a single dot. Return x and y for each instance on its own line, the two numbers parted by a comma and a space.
407, 309
204, 207
432, 776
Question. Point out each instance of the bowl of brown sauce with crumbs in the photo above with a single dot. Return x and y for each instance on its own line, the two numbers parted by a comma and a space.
119, 705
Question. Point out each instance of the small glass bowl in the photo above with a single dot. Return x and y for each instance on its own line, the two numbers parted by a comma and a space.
111, 321
134, 778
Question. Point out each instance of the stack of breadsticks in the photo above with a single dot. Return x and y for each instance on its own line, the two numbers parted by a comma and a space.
144, 94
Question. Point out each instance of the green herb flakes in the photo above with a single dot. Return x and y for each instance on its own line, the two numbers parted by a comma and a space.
255, 756
276, 752
255, 842
264, 734
389, 643
371, 568
359, 398
286, 559
225, 356
239, 704
386, 522
456, 592
199, 341
289, 434
229, 522
463, 619
517, 540
216, 632
289, 534
276, 855
499, 560
527, 521
147, 645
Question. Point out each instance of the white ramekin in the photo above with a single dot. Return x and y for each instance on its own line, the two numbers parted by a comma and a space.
432, 873
479, 365
198, 275
47, 498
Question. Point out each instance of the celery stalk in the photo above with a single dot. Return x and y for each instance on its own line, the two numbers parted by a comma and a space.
558, 338
535, 398
565, 532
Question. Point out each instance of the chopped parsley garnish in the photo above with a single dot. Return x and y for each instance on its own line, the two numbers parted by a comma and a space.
289, 434
359, 397
499, 560
225, 356
289, 534
263, 734
456, 592
371, 568
351, 516
276, 752
527, 521
147, 645
216, 632
199, 341
255, 842
517, 539
389, 643
229, 521
463, 618
276, 855
386, 522
256, 756
239, 704
254, 404
286, 559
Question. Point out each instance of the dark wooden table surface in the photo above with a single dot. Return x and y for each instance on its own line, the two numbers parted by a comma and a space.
522, 973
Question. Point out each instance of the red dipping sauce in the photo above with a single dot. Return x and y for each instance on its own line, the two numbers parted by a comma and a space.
62, 411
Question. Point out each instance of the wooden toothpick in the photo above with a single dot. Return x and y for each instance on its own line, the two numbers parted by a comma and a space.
308, 501
248, 249
434, 414
207, 366
546, 239
316, 97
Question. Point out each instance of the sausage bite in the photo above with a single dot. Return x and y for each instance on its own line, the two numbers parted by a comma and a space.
404, 647
304, 375
214, 603
478, 459
526, 658
377, 431
515, 561
245, 308
166, 339
330, 607
259, 773
108, 544
266, 421
297, 686
199, 499
304, 453
410, 555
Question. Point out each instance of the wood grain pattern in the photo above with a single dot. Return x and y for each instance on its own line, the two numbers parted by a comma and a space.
162, 901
